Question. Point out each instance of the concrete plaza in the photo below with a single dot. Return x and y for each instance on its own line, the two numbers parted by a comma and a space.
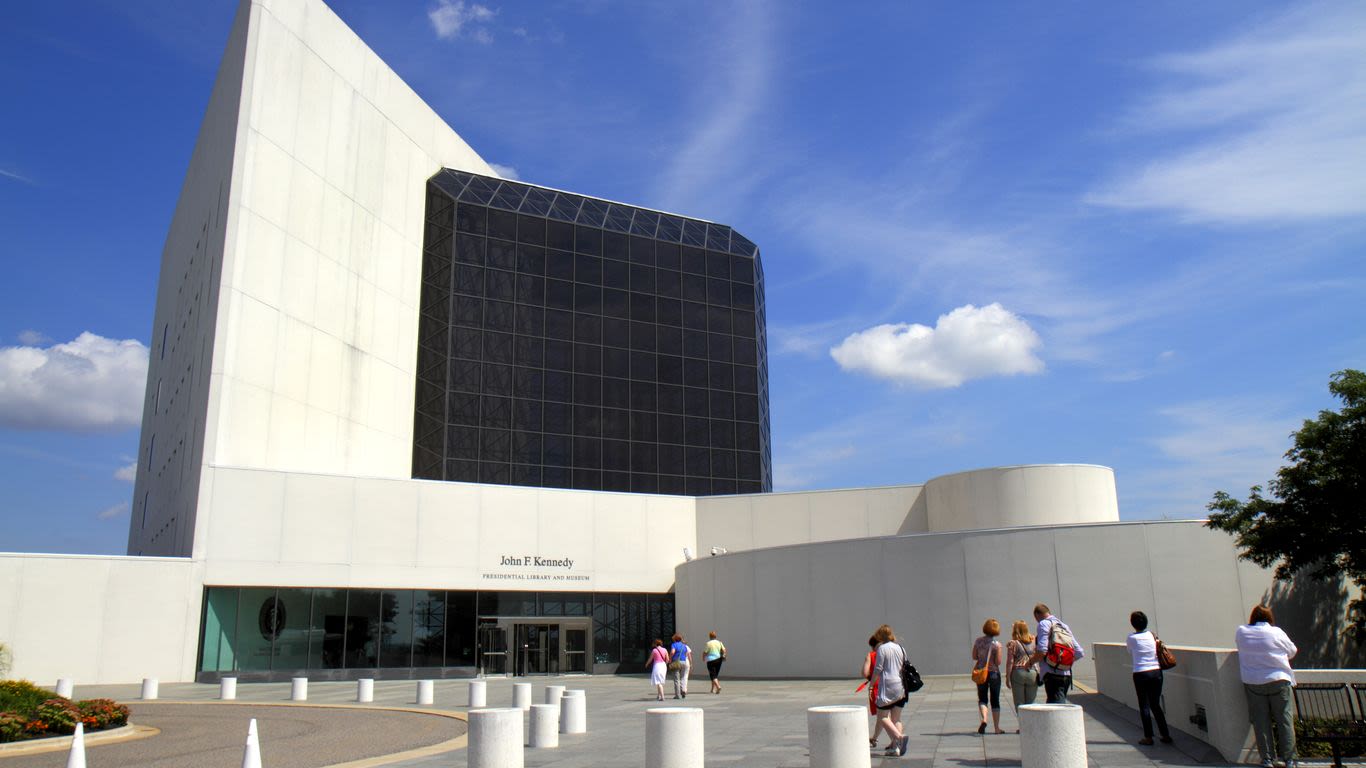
752, 723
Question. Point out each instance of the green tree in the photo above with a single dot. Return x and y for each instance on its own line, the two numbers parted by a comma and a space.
1314, 521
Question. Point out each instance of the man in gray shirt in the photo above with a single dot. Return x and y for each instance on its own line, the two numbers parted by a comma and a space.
1056, 680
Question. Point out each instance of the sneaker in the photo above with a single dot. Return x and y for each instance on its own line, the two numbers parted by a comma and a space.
902, 745
891, 752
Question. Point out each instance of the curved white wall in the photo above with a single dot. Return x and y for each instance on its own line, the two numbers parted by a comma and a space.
807, 610
1034, 494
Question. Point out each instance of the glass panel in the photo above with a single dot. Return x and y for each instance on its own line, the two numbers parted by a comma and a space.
606, 629
327, 629
362, 628
396, 628
460, 628
256, 628
636, 640
292, 609
220, 627
507, 603
429, 628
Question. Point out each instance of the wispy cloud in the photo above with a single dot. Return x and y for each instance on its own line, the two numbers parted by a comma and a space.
31, 338
15, 176
114, 511
1268, 126
127, 473
88, 384
505, 171
452, 19
967, 343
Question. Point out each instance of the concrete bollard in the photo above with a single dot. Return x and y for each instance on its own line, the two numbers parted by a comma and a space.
227, 688
76, 757
673, 737
521, 696
64, 687
838, 737
251, 754
553, 693
495, 738
426, 693
544, 733
1052, 736
149, 688
365, 690
479, 696
574, 712
298, 689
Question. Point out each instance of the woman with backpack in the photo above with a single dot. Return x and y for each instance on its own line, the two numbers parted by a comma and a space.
986, 673
891, 693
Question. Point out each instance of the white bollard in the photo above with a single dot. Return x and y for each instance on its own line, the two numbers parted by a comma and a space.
298, 689
1052, 736
573, 712
76, 757
553, 693
673, 737
838, 737
149, 688
365, 690
426, 693
544, 733
64, 687
495, 738
521, 696
251, 754
227, 688
479, 694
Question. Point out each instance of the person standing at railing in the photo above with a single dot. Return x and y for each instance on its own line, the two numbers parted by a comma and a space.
1142, 646
1264, 654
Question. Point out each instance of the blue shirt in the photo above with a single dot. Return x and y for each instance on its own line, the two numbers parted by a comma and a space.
678, 651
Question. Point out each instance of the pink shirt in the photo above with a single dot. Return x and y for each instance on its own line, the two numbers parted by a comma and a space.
659, 656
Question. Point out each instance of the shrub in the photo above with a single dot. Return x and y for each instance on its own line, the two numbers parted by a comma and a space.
30, 712
22, 697
102, 713
11, 727
59, 715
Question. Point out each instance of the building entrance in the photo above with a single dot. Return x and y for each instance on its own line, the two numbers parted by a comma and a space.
524, 645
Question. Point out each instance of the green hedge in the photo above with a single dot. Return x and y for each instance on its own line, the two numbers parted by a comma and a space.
1307, 729
29, 712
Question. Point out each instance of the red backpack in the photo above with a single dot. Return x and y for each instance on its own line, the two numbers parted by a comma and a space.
1061, 647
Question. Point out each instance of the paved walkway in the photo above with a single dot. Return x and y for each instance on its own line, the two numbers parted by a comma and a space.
756, 724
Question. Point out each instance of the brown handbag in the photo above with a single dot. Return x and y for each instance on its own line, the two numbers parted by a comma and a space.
979, 675
1165, 658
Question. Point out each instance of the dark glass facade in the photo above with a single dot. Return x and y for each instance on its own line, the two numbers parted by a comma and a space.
570, 342
275, 632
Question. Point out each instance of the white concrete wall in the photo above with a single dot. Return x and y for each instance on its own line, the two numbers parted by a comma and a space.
99, 619
807, 610
295, 529
1035, 494
776, 519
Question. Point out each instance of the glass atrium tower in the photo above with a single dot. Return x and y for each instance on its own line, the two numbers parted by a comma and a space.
571, 342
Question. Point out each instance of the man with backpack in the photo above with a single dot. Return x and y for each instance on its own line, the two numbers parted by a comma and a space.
1057, 648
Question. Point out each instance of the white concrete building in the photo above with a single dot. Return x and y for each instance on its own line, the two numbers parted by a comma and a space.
283, 520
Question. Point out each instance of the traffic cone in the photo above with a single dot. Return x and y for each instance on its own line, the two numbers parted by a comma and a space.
251, 756
76, 758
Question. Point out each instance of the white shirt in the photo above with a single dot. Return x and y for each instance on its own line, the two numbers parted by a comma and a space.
1264, 654
1143, 650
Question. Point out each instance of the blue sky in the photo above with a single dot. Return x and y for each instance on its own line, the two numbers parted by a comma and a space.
1123, 234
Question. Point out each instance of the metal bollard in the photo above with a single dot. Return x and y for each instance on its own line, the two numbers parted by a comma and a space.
64, 687
574, 712
521, 696
298, 689
838, 737
149, 688
1052, 736
365, 690
553, 694
479, 697
426, 693
495, 738
674, 737
544, 734
227, 688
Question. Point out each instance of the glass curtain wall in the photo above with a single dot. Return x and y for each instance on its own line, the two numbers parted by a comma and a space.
269, 629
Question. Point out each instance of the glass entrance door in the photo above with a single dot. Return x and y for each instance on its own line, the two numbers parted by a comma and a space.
575, 650
493, 649
538, 648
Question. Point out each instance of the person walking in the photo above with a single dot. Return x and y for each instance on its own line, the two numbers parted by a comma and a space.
1264, 654
1147, 679
715, 653
680, 661
870, 682
986, 672
1021, 678
1057, 648
658, 664
891, 693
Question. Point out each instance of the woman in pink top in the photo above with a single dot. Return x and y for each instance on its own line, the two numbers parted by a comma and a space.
986, 653
659, 668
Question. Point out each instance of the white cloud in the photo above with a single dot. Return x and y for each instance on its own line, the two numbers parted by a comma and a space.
1278, 120
505, 171
16, 176
967, 343
31, 338
450, 17
88, 384
117, 510
127, 473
